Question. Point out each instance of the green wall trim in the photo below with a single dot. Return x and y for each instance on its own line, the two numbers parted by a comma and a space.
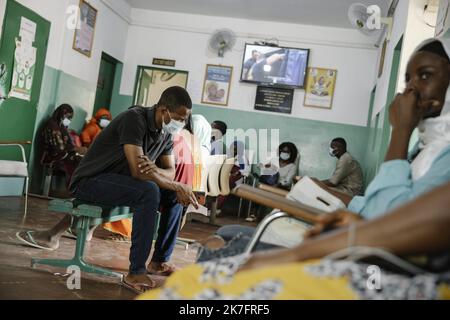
310, 136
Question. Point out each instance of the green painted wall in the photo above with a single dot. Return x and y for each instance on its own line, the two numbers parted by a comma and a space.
17, 116
379, 129
311, 137
119, 102
57, 88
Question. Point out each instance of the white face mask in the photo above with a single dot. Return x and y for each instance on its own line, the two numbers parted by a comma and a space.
216, 134
174, 126
331, 152
285, 156
104, 123
66, 122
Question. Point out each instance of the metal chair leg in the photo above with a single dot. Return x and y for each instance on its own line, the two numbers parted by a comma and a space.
47, 183
261, 228
26, 199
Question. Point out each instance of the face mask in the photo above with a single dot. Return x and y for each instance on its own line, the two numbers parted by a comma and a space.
216, 134
284, 156
66, 122
174, 126
331, 152
104, 123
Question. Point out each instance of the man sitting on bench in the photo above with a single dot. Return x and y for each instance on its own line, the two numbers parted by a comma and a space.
131, 164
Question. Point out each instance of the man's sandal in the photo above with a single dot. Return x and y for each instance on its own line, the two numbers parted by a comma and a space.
27, 238
139, 287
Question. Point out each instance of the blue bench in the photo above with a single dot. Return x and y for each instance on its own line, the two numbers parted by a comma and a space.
85, 217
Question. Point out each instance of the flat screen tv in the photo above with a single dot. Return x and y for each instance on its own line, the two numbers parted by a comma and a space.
273, 65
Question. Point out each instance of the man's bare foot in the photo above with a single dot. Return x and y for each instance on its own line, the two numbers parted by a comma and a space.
38, 239
161, 268
139, 283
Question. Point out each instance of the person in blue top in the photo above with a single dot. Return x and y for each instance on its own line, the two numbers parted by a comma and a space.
424, 104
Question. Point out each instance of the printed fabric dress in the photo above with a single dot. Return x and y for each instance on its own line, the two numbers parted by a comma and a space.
311, 280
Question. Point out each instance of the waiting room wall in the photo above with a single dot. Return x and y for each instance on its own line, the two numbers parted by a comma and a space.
70, 77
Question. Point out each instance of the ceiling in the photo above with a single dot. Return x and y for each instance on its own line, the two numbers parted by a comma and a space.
332, 13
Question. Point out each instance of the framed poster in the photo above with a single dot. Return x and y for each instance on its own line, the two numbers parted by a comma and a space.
319, 88
84, 33
216, 86
274, 99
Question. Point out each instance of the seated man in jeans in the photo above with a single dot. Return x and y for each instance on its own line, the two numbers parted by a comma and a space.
131, 164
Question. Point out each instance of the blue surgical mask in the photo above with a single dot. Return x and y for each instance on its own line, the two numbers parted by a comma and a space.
66, 122
174, 126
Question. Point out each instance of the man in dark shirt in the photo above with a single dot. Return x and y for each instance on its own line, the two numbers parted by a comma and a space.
131, 164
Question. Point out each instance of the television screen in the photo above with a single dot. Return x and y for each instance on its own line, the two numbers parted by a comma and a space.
283, 66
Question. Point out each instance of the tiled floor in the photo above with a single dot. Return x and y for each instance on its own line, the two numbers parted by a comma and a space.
19, 281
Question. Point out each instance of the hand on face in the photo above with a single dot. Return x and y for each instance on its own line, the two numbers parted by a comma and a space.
408, 109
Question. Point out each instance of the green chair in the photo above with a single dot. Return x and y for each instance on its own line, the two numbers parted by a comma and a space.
85, 217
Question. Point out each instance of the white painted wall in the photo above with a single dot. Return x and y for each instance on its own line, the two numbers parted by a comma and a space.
110, 34
184, 37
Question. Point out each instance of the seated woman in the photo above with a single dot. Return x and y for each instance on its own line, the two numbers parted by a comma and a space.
279, 173
59, 150
425, 104
418, 229
93, 128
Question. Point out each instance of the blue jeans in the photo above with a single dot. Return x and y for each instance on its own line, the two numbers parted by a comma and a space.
145, 198
237, 238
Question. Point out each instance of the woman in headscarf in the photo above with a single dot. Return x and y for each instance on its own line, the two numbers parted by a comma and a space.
93, 128
59, 151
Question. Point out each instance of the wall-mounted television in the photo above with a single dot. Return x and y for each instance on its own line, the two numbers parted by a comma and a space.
274, 65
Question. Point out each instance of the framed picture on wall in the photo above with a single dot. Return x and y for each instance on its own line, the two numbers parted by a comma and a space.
319, 89
216, 85
84, 33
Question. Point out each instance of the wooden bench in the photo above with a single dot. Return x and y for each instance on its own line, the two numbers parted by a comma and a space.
85, 216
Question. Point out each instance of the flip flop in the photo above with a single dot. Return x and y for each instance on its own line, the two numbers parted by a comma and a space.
136, 287
69, 234
118, 238
30, 241
165, 272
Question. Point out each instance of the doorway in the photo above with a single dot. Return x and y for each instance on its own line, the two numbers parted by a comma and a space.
151, 82
105, 82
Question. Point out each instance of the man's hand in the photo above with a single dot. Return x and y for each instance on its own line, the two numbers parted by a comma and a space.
333, 220
146, 166
185, 196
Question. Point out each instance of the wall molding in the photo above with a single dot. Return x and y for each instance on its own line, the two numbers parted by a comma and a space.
112, 5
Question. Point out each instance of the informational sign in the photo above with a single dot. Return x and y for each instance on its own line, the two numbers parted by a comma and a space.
274, 99
164, 62
24, 61
84, 34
